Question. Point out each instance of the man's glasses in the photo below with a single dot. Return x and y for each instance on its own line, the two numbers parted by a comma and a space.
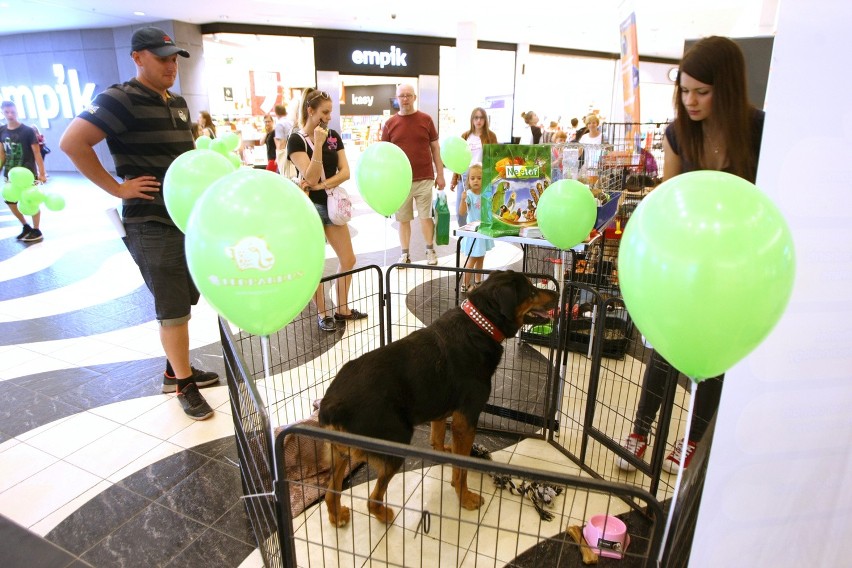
405, 96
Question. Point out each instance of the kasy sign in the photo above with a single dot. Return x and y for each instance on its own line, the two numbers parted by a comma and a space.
67, 97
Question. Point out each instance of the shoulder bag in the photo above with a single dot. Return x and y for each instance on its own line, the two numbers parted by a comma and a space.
338, 203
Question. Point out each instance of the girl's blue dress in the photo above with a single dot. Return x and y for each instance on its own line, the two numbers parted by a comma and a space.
475, 246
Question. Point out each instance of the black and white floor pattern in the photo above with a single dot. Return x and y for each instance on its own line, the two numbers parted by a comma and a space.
97, 467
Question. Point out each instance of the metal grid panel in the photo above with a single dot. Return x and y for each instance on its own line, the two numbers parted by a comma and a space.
515, 526
522, 383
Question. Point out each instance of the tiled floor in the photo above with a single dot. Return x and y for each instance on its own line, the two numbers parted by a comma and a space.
92, 456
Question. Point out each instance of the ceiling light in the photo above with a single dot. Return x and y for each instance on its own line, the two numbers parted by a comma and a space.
138, 13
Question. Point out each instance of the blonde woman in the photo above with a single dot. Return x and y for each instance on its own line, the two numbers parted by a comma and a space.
317, 153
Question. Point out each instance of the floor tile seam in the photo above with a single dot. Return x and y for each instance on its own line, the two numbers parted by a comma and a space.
212, 526
129, 519
56, 506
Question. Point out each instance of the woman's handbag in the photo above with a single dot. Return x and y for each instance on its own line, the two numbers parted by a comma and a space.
339, 206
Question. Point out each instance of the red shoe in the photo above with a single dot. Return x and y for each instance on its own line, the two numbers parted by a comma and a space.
672, 462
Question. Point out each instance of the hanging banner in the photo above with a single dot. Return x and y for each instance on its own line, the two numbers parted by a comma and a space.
630, 78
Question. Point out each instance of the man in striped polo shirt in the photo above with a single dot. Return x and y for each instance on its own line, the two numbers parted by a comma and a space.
146, 127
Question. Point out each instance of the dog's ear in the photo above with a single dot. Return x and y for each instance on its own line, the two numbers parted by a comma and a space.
517, 288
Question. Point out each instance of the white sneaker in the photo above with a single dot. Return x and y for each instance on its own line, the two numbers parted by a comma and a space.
672, 462
431, 257
404, 259
636, 444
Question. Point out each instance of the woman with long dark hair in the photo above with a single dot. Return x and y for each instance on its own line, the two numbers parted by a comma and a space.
715, 128
477, 136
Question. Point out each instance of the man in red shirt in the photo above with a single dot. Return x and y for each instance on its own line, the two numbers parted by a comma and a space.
415, 132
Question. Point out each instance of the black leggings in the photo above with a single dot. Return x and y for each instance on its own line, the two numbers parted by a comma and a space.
707, 397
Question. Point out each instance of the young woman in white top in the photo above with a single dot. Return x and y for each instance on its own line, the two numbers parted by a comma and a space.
477, 136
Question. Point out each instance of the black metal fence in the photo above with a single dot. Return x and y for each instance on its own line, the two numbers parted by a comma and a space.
571, 386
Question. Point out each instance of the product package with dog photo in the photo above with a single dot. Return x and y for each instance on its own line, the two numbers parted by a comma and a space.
514, 177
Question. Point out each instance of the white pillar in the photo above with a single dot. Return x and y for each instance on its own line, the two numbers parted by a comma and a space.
465, 97
523, 98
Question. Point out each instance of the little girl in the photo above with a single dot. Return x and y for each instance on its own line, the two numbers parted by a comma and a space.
471, 206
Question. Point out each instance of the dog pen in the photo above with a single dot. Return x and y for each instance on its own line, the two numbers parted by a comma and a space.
570, 407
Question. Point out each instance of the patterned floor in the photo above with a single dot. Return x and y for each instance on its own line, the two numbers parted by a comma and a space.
93, 458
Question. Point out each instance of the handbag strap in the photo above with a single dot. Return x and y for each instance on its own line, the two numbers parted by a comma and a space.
309, 142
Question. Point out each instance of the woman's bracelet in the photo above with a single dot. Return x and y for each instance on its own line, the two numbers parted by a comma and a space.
315, 160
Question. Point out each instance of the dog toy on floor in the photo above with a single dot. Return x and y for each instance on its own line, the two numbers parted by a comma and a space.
540, 493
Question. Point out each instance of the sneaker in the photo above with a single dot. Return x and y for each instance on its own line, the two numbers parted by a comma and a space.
193, 403
464, 288
431, 257
404, 259
33, 236
672, 462
326, 323
26, 229
352, 315
199, 377
636, 444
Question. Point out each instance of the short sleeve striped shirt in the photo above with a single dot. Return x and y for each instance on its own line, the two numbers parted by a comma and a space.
144, 133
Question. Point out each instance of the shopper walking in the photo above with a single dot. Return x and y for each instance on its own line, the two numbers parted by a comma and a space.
146, 127
19, 148
415, 133
716, 128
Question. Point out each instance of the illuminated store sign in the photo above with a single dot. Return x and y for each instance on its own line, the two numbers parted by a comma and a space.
365, 56
395, 57
46, 102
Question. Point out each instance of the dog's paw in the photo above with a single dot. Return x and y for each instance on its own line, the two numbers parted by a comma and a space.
382, 513
471, 500
341, 519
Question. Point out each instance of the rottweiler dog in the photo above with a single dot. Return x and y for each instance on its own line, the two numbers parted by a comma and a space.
436, 372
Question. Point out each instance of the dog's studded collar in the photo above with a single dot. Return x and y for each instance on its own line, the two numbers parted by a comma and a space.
483, 322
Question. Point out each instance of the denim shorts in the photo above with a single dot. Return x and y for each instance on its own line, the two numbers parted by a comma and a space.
158, 250
323, 213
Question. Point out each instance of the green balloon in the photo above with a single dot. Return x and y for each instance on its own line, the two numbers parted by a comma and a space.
231, 141
31, 199
456, 154
54, 201
255, 247
234, 160
706, 267
203, 142
384, 177
218, 145
187, 178
566, 213
27, 207
12, 193
21, 177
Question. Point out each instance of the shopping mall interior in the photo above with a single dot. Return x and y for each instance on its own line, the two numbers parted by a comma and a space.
99, 468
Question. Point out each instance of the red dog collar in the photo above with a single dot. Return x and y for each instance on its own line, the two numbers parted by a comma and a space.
483, 322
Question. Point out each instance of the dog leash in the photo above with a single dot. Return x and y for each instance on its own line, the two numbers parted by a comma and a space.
425, 522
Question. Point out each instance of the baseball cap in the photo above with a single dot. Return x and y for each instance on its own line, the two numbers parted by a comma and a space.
156, 41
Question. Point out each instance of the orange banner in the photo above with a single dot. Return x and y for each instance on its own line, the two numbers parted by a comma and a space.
630, 78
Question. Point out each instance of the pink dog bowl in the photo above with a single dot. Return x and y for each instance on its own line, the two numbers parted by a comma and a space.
607, 536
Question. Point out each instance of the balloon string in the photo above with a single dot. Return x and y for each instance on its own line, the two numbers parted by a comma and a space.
385, 261
683, 449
